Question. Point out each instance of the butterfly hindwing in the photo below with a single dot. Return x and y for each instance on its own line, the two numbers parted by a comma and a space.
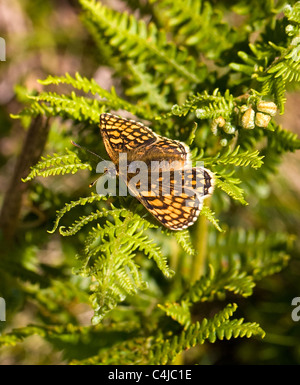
176, 197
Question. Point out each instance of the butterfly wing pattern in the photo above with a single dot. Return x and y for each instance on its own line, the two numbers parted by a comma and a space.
175, 197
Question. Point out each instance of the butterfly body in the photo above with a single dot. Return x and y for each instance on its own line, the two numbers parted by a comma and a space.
174, 190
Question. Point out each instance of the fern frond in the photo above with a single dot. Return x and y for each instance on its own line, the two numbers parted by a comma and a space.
72, 332
277, 87
205, 105
225, 181
57, 165
214, 285
135, 40
156, 350
145, 86
210, 215
257, 253
18, 335
207, 288
282, 140
183, 19
293, 13
235, 157
178, 312
288, 70
229, 184
109, 257
70, 106
110, 99
218, 327
183, 238
282, 71
274, 65
71, 205
78, 108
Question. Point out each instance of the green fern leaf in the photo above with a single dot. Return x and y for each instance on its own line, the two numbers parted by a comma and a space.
293, 13
70, 206
178, 312
257, 253
109, 99
235, 157
109, 257
137, 41
210, 215
219, 327
229, 185
57, 165
205, 105
184, 240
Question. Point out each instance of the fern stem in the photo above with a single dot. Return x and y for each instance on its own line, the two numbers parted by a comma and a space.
198, 264
33, 146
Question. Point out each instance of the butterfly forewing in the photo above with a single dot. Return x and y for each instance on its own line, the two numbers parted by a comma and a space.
123, 136
138, 141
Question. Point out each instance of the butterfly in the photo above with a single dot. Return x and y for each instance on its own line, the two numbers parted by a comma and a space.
175, 195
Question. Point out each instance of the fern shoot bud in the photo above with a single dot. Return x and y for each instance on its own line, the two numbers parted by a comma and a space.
262, 120
175, 109
290, 30
287, 10
229, 128
216, 123
223, 142
269, 108
247, 120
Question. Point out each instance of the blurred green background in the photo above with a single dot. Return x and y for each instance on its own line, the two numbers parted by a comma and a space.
46, 37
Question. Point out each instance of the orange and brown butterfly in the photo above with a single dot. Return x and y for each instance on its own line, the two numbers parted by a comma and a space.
175, 210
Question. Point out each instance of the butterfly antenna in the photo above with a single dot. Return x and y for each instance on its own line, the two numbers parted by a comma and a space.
91, 152
94, 182
86, 149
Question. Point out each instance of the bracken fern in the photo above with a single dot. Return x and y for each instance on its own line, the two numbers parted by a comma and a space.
166, 82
